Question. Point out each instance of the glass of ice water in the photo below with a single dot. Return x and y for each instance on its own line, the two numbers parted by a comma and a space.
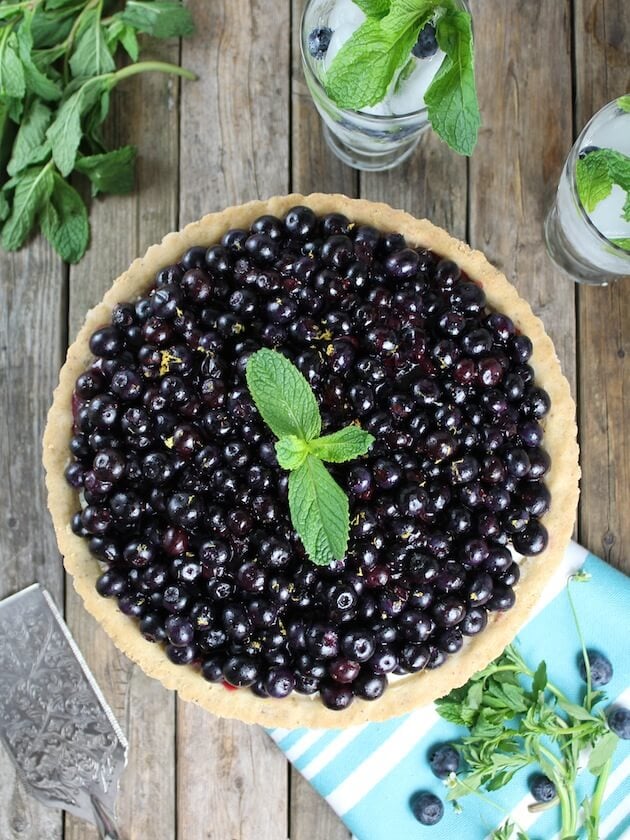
383, 135
592, 244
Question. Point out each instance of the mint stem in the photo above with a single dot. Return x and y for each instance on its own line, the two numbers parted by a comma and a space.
156, 66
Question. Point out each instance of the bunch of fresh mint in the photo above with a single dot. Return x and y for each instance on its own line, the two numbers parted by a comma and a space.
380, 50
597, 170
516, 719
319, 507
57, 70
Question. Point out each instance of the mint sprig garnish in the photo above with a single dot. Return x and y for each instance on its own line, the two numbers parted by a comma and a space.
623, 102
596, 172
372, 58
517, 719
318, 506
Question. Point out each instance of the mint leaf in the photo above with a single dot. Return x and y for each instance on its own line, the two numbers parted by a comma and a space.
622, 243
282, 395
37, 81
343, 445
365, 65
160, 18
291, 452
31, 192
623, 102
450, 711
593, 180
5, 207
65, 132
602, 752
111, 172
12, 79
373, 8
319, 511
120, 32
595, 174
451, 97
30, 144
540, 679
64, 221
91, 56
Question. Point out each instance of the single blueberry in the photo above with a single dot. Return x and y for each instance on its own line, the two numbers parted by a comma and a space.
542, 788
319, 41
587, 150
427, 44
601, 669
444, 761
427, 808
619, 722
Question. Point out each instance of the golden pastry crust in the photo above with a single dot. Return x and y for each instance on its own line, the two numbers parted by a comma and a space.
403, 695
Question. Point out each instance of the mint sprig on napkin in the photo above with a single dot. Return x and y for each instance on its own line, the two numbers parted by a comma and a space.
318, 506
370, 60
517, 718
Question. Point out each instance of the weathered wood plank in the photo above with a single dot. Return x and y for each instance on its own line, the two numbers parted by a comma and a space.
231, 780
144, 113
32, 331
602, 62
431, 184
524, 78
311, 816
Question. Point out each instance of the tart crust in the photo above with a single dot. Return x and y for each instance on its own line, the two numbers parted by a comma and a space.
402, 695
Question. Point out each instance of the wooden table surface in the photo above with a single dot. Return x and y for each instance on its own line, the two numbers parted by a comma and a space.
248, 129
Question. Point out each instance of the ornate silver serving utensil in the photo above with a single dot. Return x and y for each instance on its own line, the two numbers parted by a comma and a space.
60, 733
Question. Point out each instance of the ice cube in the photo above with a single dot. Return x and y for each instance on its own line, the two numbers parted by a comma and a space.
410, 95
345, 13
339, 38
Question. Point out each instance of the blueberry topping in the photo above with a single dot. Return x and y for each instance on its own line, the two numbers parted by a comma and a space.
186, 507
319, 41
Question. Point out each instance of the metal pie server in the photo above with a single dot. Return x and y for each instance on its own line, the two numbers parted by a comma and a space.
60, 733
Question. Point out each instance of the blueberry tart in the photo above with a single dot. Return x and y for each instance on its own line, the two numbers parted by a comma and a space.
181, 521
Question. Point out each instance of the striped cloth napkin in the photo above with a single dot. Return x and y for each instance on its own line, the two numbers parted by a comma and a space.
368, 773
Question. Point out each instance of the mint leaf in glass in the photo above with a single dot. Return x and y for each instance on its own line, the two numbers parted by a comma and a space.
624, 103
319, 511
452, 95
595, 174
373, 8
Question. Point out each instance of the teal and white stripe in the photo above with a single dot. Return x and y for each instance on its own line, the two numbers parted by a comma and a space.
368, 773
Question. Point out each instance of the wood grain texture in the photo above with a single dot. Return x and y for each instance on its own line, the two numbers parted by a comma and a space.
145, 113
524, 80
32, 332
311, 817
231, 779
602, 61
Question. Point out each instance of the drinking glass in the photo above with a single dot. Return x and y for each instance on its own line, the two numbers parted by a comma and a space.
376, 138
587, 246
